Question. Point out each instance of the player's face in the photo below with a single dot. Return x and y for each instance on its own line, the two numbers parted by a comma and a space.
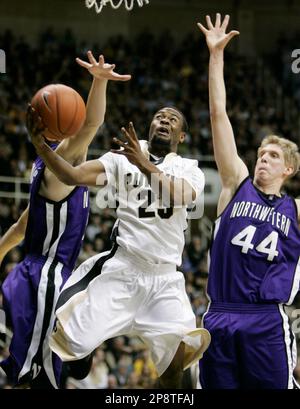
166, 129
270, 165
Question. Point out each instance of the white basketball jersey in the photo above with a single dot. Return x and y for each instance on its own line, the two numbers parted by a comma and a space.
145, 228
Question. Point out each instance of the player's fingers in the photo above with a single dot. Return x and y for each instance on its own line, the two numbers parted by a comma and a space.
225, 22
38, 127
83, 63
202, 28
119, 142
232, 34
91, 58
40, 124
119, 77
209, 23
101, 60
126, 134
218, 20
31, 116
28, 111
132, 131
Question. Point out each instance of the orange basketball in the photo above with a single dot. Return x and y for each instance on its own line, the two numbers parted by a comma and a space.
62, 111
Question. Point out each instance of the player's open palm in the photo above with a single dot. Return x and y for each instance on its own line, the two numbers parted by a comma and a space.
216, 37
100, 69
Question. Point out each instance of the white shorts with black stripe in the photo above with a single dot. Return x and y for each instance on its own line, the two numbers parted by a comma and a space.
115, 294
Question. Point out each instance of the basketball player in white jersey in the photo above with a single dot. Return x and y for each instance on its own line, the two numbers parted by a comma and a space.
134, 289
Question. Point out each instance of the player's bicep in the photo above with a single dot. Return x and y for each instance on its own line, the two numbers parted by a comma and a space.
91, 173
241, 173
224, 198
228, 192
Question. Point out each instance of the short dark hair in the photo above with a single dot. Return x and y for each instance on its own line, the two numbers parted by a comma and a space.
185, 126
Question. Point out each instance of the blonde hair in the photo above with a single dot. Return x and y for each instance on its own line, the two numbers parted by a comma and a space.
289, 148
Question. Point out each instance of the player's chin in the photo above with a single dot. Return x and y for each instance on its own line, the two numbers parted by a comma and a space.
160, 139
261, 178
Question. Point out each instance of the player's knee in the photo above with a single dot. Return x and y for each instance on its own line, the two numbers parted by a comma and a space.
172, 377
174, 370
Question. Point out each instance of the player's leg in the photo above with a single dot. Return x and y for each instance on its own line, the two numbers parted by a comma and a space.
97, 306
51, 363
267, 357
79, 369
30, 293
167, 324
219, 367
41, 381
19, 299
172, 376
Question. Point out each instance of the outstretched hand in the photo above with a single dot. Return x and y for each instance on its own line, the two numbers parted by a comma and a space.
216, 37
35, 126
131, 148
100, 69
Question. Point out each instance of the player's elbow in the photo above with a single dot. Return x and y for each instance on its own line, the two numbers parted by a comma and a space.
91, 126
217, 111
71, 179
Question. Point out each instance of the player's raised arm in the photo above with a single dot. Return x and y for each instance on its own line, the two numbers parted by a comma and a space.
231, 168
90, 173
102, 72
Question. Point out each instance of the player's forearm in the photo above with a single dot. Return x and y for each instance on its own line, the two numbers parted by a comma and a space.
65, 172
228, 162
14, 235
171, 191
217, 91
96, 103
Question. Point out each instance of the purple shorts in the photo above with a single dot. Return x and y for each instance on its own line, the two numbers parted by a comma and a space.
30, 293
252, 347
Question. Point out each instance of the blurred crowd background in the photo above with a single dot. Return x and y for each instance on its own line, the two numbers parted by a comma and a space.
262, 99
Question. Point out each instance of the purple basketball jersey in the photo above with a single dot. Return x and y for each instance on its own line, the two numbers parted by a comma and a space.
56, 229
255, 249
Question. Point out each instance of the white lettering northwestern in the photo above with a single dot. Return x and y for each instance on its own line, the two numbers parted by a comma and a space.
262, 213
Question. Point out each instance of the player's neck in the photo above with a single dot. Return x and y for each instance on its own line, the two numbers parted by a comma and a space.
268, 188
160, 151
